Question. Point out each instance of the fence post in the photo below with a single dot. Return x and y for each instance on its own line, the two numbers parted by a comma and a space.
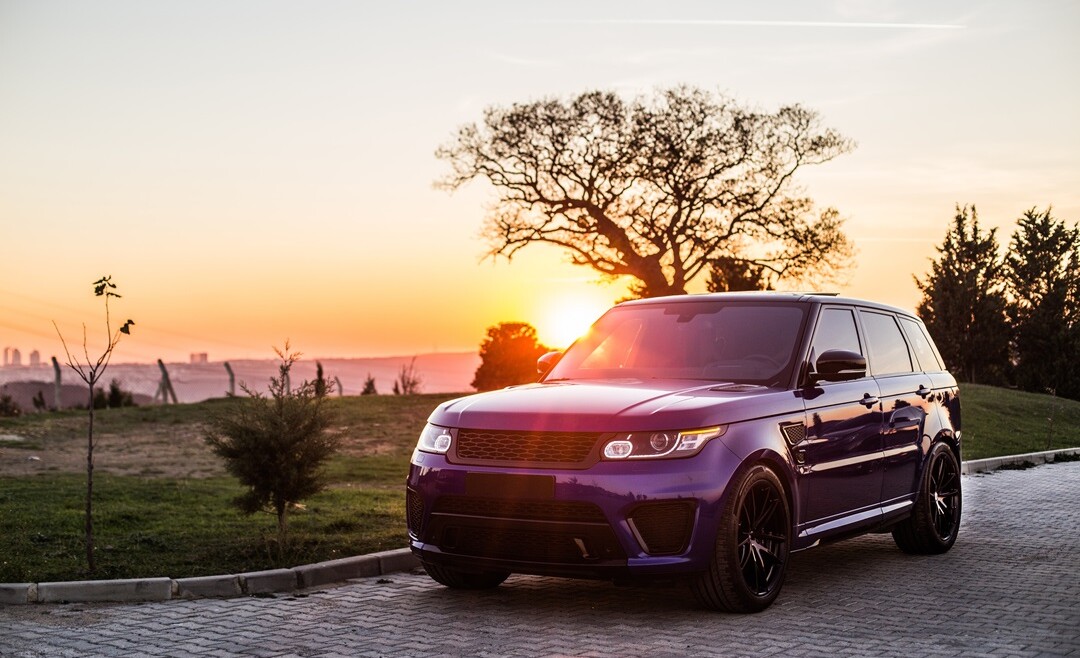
232, 379
340, 393
165, 388
58, 388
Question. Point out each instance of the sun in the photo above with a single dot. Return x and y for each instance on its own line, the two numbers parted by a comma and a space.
564, 320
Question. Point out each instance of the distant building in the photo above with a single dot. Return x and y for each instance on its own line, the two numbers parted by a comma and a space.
7, 356
35, 359
16, 357
199, 357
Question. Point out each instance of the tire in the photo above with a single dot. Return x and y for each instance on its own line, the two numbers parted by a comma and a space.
458, 579
935, 521
753, 543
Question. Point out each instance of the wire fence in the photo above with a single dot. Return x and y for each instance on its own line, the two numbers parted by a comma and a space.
57, 386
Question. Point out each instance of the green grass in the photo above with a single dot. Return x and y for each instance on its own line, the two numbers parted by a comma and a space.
154, 527
999, 421
171, 525
181, 527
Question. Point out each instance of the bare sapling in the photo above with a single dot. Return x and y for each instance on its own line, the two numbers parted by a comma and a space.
91, 371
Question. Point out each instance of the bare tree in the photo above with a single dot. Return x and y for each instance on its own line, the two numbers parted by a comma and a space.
91, 371
656, 189
408, 380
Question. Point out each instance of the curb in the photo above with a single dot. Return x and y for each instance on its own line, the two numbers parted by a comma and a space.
257, 583
1031, 459
254, 583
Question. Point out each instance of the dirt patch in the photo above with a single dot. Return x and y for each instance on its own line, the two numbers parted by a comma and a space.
178, 452
174, 451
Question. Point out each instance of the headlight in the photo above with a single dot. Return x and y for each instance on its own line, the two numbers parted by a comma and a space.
657, 445
436, 439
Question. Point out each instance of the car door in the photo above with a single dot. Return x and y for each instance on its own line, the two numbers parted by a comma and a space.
905, 393
840, 460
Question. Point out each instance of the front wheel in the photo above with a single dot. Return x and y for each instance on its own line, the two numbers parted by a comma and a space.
459, 579
935, 521
752, 546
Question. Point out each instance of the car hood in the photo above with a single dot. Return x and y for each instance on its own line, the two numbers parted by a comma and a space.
613, 406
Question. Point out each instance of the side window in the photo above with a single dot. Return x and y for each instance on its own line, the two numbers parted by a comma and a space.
836, 331
888, 351
920, 344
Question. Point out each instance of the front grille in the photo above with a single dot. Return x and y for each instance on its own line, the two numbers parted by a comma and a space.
475, 446
536, 510
663, 527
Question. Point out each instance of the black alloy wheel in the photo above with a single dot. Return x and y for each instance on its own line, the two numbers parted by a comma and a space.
752, 546
935, 520
762, 538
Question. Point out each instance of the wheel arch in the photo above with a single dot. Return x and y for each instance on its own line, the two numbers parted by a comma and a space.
949, 438
784, 472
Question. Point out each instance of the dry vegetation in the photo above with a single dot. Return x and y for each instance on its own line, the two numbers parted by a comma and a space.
167, 441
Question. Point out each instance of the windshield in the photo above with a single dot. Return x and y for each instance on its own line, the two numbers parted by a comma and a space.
745, 343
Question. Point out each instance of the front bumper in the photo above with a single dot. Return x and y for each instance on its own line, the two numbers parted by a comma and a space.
613, 520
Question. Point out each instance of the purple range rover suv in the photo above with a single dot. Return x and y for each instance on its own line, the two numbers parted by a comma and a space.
701, 437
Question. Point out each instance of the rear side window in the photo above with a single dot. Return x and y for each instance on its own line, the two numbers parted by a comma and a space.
888, 351
920, 344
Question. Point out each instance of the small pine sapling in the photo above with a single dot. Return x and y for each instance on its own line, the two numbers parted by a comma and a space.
276, 446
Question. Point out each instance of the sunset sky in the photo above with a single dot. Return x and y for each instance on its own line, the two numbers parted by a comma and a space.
253, 171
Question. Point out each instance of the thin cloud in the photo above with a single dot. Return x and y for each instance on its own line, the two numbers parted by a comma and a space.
522, 61
759, 23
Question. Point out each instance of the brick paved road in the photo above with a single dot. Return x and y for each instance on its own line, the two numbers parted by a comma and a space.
1010, 586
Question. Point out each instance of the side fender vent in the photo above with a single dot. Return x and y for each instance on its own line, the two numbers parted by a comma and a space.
794, 433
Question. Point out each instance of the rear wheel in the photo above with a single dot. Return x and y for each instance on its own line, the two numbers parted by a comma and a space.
459, 579
935, 521
752, 546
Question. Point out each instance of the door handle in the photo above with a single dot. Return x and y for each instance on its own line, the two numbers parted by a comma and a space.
868, 400
923, 391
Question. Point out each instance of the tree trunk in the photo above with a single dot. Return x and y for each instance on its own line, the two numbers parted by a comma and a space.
90, 486
283, 525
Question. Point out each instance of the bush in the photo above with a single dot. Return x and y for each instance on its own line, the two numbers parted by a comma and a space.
369, 386
276, 446
9, 408
408, 380
115, 398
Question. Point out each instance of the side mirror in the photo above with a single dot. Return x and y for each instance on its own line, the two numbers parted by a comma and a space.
839, 366
545, 363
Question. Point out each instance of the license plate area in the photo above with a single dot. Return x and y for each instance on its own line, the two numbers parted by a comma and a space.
506, 485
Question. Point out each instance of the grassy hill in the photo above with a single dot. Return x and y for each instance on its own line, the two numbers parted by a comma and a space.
1000, 421
163, 500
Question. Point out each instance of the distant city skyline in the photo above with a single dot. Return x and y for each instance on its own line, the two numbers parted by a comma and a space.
250, 172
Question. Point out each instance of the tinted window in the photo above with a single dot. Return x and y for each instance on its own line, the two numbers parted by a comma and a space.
729, 342
888, 351
836, 331
920, 344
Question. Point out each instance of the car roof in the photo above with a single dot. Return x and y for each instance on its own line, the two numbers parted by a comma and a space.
769, 296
